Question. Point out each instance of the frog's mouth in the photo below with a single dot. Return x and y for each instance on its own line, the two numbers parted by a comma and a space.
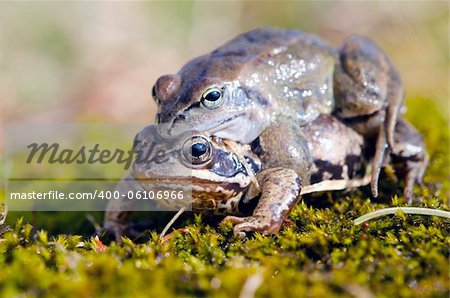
199, 178
219, 125
192, 184
209, 128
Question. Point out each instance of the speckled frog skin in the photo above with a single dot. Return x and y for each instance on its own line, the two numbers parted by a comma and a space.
230, 179
239, 89
281, 80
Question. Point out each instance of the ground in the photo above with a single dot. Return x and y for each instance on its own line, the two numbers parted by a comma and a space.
323, 254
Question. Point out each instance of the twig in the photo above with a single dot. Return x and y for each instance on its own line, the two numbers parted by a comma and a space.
170, 235
251, 285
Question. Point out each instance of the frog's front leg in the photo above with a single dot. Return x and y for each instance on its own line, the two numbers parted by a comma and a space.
368, 89
287, 161
118, 211
280, 189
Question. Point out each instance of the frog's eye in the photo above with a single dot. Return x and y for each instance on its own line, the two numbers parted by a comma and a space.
212, 98
197, 150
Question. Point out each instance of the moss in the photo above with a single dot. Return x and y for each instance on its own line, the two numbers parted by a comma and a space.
321, 254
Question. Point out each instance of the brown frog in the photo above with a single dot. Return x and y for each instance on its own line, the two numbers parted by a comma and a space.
228, 178
281, 80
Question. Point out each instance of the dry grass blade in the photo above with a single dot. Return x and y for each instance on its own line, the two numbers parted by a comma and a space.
251, 285
174, 218
406, 210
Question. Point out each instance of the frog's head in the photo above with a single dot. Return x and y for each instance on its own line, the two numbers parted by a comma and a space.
216, 176
208, 95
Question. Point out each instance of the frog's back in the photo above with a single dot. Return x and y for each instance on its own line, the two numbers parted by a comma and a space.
248, 50
291, 70
261, 42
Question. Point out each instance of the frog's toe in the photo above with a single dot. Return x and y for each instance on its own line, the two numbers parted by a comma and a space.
253, 224
236, 221
408, 191
422, 168
233, 219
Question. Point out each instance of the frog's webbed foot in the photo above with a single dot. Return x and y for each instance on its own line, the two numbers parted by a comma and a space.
369, 95
409, 157
280, 189
260, 224
414, 174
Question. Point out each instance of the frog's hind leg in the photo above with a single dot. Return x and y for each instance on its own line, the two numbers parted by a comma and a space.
409, 157
367, 86
378, 160
395, 106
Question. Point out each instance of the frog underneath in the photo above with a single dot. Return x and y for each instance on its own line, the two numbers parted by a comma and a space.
228, 178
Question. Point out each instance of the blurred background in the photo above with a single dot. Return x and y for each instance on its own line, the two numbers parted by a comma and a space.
97, 61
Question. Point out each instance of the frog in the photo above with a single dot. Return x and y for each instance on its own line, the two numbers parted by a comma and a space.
283, 79
237, 180
215, 178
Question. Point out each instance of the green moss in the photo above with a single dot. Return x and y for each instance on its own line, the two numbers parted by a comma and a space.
322, 254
